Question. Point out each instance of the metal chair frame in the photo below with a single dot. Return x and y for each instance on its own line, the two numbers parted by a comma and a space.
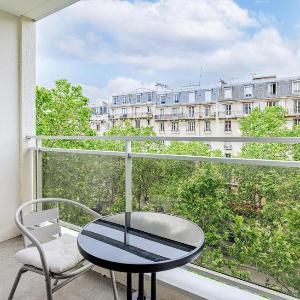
66, 276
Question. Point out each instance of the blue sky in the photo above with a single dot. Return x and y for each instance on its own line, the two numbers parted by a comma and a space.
112, 47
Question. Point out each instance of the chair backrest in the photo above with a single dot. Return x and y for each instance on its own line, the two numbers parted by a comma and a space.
43, 224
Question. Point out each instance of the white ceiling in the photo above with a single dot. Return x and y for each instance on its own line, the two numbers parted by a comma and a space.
34, 9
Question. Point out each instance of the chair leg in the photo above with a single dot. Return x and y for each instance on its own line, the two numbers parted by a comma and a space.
114, 285
48, 288
14, 287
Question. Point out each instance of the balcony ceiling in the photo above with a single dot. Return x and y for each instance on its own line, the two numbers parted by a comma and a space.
34, 9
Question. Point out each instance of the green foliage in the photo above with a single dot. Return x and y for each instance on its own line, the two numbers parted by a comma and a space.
63, 110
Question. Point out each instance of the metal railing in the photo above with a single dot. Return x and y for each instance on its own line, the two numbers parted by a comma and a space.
128, 154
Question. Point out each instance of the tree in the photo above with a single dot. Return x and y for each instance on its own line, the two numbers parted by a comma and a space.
62, 110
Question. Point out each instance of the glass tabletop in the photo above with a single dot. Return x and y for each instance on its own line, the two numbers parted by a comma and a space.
140, 242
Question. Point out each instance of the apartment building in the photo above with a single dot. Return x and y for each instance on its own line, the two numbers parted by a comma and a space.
196, 111
99, 120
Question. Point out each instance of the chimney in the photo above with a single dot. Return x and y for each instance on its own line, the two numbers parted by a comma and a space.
265, 77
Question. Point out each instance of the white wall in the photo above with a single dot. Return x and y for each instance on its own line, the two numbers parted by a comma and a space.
16, 109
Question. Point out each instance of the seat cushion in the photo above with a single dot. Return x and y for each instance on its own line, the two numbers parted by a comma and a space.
61, 254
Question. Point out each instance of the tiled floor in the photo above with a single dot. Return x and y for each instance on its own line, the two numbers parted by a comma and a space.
32, 286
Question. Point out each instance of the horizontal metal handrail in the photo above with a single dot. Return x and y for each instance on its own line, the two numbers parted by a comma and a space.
180, 157
279, 140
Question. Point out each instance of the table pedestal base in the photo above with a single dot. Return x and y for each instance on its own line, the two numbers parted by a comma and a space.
135, 296
140, 294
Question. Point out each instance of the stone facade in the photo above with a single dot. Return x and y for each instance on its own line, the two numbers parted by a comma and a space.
196, 111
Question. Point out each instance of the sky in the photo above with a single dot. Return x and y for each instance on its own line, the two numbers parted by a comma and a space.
116, 46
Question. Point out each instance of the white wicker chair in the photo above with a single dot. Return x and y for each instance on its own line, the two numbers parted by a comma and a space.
58, 258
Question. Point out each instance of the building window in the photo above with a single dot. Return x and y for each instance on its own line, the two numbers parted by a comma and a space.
248, 91
227, 155
207, 96
148, 122
296, 87
98, 127
228, 93
148, 109
162, 99
191, 126
98, 110
272, 88
207, 111
296, 122
297, 106
176, 98
227, 146
149, 97
175, 127
227, 126
228, 109
125, 99
207, 126
113, 123
138, 98
115, 100
161, 112
162, 127
138, 123
271, 103
247, 108
124, 112
191, 111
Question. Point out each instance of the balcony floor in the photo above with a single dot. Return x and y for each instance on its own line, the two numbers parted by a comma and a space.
32, 287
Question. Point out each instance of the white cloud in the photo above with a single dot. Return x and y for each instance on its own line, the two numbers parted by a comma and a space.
115, 86
174, 35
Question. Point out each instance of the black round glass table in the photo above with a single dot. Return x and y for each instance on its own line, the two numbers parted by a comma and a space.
140, 242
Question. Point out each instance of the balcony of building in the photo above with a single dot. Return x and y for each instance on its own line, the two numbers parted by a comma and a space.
32, 167
58, 170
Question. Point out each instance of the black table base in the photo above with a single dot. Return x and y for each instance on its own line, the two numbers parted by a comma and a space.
140, 294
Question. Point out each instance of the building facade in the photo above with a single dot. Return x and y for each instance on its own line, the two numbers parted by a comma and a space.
99, 119
215, 112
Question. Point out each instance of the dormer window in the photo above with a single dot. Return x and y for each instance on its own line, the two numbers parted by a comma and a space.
272, 89
149, 97
176, 98
125, 99
248, 91
115, 100
228, 93
138, 98
296, 87
162, 99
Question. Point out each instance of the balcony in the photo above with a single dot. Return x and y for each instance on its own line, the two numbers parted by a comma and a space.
208, 115
106, 180
180, 116
235, 211
293, 112
63, 169
131, 116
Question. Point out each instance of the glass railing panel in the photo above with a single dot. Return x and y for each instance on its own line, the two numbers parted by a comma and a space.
94, 180
250, 214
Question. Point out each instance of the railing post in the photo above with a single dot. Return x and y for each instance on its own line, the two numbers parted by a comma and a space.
38, 169
128, 177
